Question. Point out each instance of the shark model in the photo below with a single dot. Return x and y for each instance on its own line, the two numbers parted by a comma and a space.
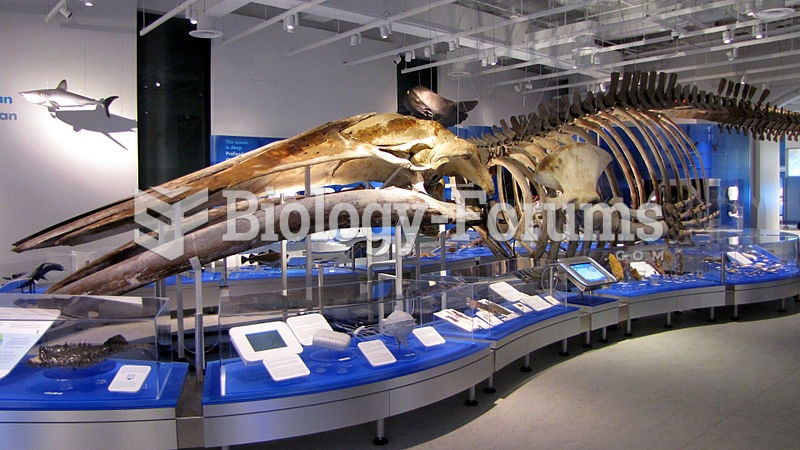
61, 98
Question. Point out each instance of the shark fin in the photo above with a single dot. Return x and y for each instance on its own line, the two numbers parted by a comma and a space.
62, 86
107, 101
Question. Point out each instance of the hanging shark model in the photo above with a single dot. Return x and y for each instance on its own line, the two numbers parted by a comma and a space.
61, 98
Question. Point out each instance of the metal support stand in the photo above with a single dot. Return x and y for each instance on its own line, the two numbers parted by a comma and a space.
489, 389
471, 400
309, 249
564, 351
782, 309
668, 323
587, 339
735, 311
628, 332
380, 435
526, 363
179, 315
284, 261
199, 341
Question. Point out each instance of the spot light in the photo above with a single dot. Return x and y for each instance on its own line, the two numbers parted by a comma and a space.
732, 54
727, 37
191, 14
289, 23
384, 30
355, 40
759, 30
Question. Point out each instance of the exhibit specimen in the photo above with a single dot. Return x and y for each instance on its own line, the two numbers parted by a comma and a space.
60, 98
27, 281
647, 160
79, 354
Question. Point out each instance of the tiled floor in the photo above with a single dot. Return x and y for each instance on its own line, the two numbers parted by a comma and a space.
723, 385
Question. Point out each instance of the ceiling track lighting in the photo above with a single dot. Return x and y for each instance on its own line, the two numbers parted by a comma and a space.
355, 40
410, 56
732, 54
452, 45
397, 59
290, 23
191, 14
427, 51
65, 12
727, 37
88, 3
384, 30
760, 30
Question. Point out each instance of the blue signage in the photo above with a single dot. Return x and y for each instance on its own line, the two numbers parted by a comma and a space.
7, 100
226, 147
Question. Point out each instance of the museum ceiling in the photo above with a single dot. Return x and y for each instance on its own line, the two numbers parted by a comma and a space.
537, 45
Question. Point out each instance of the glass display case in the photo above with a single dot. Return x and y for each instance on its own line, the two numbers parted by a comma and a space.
654, 268
756, 256
298, 359
330, 337
86, 353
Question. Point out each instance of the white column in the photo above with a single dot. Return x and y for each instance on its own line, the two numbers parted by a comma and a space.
765, 179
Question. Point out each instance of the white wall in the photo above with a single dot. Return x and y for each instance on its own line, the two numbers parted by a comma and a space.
257, 90
51, 172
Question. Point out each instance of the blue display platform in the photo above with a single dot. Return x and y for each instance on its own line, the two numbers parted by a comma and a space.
507, 328
329, 371
657, 285
29, 388
258, 273
591, 301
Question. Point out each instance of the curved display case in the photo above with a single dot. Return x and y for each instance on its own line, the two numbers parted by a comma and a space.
78, 367
290, 364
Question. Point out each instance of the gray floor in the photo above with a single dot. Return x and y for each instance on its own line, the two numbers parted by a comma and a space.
730, 384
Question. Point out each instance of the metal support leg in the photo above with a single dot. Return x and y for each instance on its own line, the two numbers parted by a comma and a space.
380, 438
526, 363
587, 339
603, 335
712, 314
628, 332
489, 389
782, 309
668, 323
564, 351
471, 400
735, 311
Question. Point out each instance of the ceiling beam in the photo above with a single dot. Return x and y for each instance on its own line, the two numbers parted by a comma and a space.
172, 13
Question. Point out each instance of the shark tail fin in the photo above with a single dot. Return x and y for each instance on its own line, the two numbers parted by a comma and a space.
467, 105
107, 101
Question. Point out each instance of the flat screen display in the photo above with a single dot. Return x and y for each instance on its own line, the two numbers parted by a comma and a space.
266, 340
589, 272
